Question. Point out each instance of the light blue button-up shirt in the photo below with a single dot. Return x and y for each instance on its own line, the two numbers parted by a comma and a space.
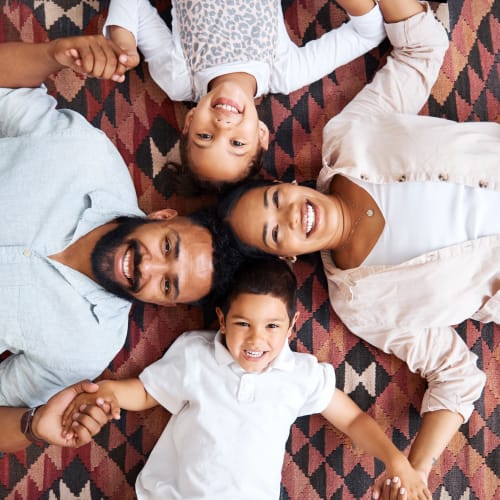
59, 179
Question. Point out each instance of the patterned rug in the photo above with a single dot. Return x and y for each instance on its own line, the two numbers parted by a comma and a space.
144, 125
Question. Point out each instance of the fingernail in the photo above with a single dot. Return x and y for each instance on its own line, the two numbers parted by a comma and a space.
75, 415
402, 491
388, 482
123, 58
395, 479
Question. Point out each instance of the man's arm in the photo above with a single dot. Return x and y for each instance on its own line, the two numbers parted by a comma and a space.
29, 64
47, 421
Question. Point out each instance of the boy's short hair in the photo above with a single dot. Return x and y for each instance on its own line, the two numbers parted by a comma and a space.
265, 276
187, 183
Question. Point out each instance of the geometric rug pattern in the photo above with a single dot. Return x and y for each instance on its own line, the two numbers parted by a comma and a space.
144, 125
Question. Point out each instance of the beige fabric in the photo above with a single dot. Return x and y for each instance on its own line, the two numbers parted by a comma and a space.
407, 309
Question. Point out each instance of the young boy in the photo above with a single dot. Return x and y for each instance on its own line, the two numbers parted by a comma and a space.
233, 397
224, 54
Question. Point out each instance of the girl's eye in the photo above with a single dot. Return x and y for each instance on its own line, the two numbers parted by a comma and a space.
166, 285
204, 137
238, 144
275, 234
276, 199
168, 247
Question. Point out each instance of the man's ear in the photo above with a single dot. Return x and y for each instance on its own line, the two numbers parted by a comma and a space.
165, 214
293, 323
263, 135
187, 121
222, 322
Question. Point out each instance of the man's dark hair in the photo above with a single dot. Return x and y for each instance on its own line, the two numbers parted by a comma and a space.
269, 276
226, 257
187, 183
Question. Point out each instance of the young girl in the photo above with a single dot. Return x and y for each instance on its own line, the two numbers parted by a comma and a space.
224, 54
233, 397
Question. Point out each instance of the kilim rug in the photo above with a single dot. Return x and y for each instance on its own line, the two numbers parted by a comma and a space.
144, 124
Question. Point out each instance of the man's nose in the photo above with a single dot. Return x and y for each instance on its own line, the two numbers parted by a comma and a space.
151, 265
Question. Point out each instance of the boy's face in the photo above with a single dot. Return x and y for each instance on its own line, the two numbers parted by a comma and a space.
224, 133
256, 328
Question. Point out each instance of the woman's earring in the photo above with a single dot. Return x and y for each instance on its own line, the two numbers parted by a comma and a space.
294, 182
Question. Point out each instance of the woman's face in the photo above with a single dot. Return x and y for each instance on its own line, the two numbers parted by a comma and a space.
285, 219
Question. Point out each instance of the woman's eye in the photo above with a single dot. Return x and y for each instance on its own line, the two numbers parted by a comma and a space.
276, 199
275, 234
204, 137
166, 285
238, 144
168, 247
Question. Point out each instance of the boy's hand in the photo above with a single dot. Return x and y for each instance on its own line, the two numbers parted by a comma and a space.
92, 55
103, 400
406, 484
126, 41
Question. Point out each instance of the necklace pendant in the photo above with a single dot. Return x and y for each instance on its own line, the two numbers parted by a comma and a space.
370, 212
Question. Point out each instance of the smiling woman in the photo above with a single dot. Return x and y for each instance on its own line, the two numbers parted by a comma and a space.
402, 218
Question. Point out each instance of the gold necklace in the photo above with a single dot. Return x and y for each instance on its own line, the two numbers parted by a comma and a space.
369, 212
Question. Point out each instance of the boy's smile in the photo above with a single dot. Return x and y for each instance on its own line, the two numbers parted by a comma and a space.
256, 328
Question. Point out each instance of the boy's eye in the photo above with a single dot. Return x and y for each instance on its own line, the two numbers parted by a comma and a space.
242, 323
238, 144
166, 286
168, 247
273, 325
204, 137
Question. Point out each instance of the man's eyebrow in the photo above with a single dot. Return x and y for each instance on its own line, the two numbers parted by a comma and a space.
266, 204
175, 284
264, 235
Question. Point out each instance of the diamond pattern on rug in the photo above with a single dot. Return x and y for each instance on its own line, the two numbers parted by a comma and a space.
144, 124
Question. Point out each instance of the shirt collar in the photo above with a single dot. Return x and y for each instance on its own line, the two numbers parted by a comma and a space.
285, 360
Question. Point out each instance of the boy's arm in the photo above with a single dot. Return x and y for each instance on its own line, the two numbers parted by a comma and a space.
31, 63
346, 416
46, 422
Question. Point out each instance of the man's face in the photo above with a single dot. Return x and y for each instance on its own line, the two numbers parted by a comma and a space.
160, 261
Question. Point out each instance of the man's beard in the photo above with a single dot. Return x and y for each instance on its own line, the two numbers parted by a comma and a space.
103, 255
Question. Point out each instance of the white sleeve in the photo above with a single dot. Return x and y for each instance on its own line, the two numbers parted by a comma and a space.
165, 379
320, 380
296, 66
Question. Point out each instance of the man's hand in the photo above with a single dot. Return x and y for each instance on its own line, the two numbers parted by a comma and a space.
92, 55
47, 421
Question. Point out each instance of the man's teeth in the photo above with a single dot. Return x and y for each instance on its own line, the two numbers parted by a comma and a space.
310, 218
254, 354
126, 265
227, 107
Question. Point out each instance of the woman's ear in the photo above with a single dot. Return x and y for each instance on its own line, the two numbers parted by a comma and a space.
291, 259
222, 322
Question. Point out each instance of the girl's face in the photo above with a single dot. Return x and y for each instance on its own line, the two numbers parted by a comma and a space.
285, 219
256, 328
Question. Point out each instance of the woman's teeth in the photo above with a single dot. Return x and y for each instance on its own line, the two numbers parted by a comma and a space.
310, 218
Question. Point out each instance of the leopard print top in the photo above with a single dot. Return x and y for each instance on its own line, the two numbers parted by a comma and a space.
215, 32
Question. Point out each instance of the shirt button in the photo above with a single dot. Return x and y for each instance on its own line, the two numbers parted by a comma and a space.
483, 184
402, 178
443, 177
27, 252
363, 177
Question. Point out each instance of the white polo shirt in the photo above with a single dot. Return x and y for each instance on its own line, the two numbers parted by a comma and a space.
226, 438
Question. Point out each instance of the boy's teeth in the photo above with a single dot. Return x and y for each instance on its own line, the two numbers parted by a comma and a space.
227, 107
310, 218
255, 354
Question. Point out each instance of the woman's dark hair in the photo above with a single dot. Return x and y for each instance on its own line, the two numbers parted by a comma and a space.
188, 183
269, 276
225, 208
